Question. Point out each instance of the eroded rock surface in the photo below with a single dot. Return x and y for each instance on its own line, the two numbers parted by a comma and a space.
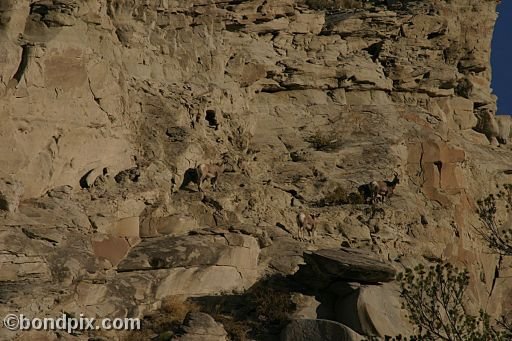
316, 330
200, 326
351, 265
107, 107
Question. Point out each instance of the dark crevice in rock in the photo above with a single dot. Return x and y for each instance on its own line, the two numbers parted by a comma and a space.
32, 235
211, 118
436, 34
374, 50
235, 27
25, 55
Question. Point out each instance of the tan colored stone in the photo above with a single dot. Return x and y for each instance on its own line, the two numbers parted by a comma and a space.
461, 110
200, 281
11, 192
127, 227
318, 330
434, 151
110, 85
111, 248
373, 310
174, 225
311, 23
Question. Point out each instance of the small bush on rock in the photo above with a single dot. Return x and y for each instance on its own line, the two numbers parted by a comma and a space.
498, 239
176, 308
435, 299
325, 141
167, 320
340, 196
272, 304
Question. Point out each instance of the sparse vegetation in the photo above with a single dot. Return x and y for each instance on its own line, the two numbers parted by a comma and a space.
497, 237
272, 304
435, 298
333, 4
168, 319
262, 310
176, 308
325, 142
340, 196
236, 329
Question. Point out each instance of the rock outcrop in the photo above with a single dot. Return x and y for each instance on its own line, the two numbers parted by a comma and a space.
201, 264
202, 327
351, 265
107, 107
318, 330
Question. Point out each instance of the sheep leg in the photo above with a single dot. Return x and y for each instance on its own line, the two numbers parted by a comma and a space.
199, 184
214, 184
311, 236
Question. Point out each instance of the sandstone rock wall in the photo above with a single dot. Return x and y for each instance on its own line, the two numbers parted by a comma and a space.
106, 105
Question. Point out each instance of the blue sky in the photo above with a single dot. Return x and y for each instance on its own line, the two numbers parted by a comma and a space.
501, 58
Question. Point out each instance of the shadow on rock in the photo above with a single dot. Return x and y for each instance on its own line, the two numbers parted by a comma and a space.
190, 176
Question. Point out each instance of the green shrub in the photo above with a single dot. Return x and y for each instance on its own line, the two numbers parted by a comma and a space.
325, 141
435, 299
497, 238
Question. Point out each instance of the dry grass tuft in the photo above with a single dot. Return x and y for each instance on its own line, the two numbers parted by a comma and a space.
166, 320
176, 308
325, 141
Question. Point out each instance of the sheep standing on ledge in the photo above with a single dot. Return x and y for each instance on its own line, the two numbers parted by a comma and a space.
307, 222
368, 191
386, 188
208, 171
376, 191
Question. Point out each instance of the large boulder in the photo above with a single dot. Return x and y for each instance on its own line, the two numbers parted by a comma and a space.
318, 330
202, 327
177, 224
373, 310
11, 192
324, 267
200, 264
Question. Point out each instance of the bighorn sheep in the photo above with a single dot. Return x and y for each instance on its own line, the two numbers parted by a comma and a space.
209, 171
386, 188
378, 190
307, 222
369, 192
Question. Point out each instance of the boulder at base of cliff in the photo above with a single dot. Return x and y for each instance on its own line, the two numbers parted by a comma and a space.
318, 330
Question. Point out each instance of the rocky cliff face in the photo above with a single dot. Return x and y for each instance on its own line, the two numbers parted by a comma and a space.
108, 105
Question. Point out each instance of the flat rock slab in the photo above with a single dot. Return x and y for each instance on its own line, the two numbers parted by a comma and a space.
351, 265
223, 249
318, 330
